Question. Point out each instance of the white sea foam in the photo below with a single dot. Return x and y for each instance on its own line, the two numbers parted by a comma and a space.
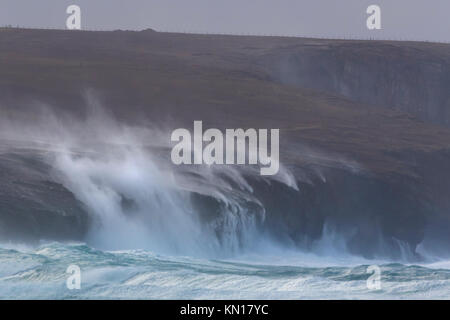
140, 274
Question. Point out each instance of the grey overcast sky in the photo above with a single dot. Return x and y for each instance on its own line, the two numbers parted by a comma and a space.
401, 19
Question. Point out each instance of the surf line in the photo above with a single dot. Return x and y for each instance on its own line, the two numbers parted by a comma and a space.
192, 151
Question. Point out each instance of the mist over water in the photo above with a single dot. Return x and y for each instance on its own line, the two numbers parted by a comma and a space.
135, 197
138, 201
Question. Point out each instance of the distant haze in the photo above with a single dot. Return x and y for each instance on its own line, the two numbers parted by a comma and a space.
401, 19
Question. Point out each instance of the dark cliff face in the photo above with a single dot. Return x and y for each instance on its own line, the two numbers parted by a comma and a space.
33, 206
380, 107
410, 77
372, 217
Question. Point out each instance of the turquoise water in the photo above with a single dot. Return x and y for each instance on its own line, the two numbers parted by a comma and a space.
40, 273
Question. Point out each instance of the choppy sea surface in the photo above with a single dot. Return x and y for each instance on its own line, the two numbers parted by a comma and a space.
40, 272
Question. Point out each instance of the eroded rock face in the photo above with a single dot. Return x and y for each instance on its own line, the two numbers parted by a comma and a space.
410, 77
33, 206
